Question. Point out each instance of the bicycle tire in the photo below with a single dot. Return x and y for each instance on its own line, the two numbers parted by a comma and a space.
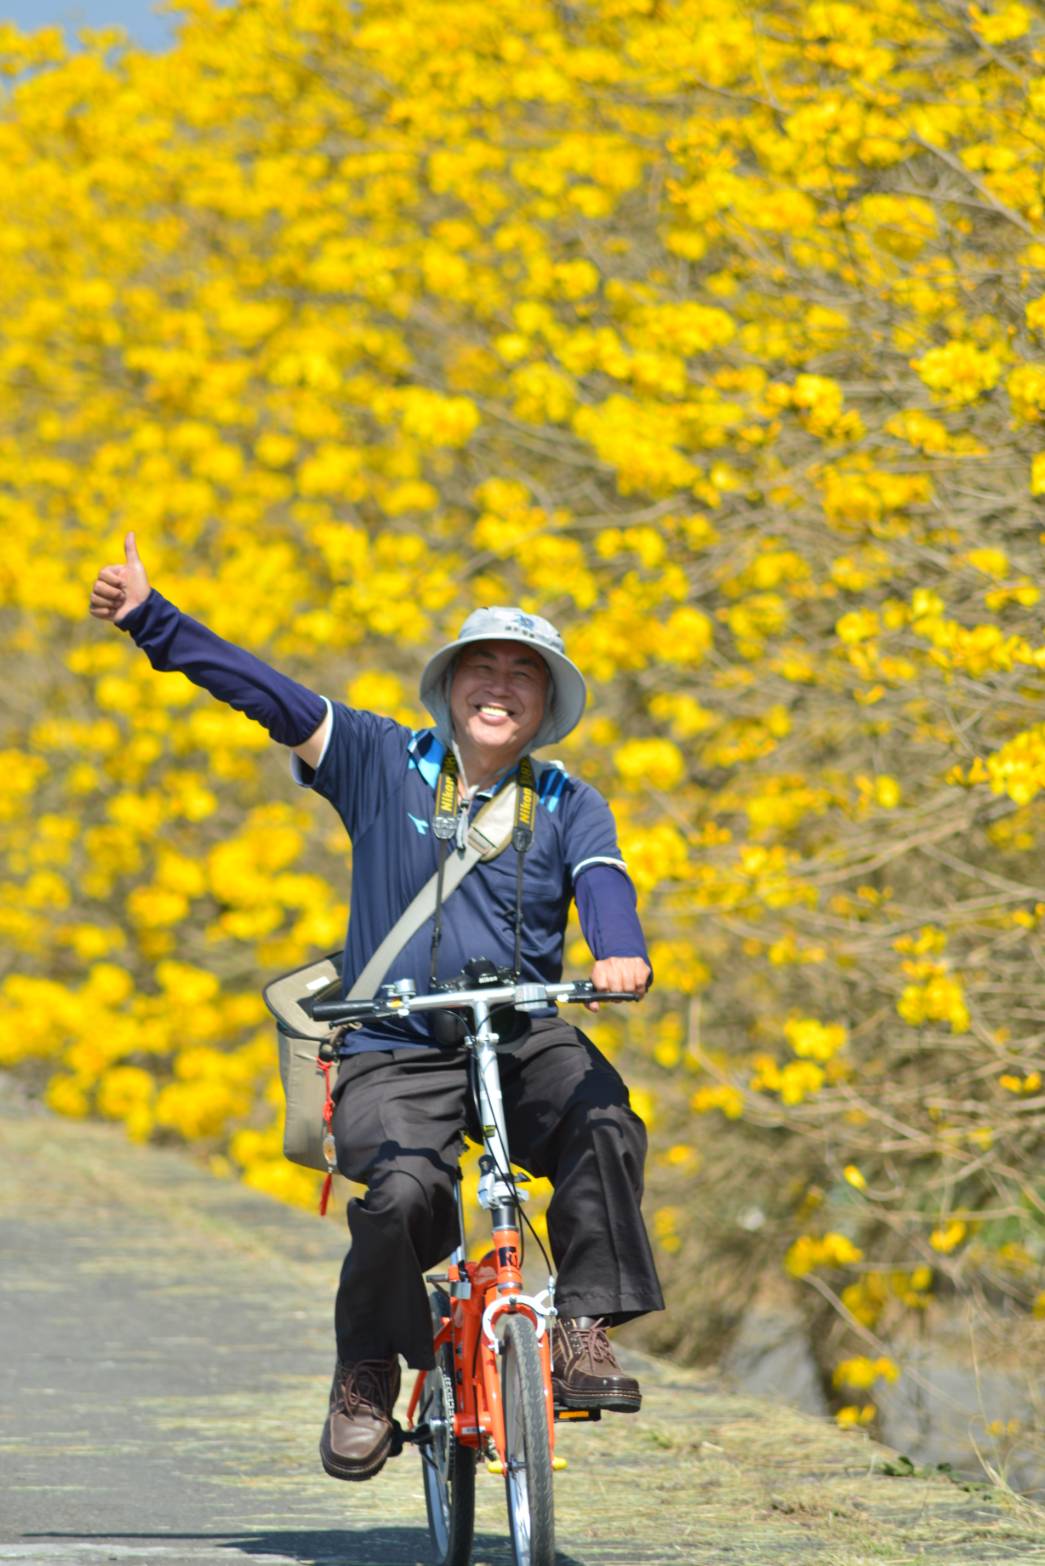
447, 1467
528, 1480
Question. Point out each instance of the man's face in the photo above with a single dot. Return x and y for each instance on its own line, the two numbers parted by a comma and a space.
497, 696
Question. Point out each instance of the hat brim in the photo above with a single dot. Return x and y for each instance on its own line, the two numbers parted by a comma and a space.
563, 711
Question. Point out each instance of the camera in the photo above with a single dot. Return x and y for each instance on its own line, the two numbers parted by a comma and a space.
449, 1027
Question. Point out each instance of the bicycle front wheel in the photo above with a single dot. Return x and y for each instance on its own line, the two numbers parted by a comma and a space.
528, 1479
447, 1466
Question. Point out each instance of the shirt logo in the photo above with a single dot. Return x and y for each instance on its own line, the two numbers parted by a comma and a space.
422, 826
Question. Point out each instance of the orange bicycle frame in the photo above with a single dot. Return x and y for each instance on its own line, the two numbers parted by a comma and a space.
482, 1291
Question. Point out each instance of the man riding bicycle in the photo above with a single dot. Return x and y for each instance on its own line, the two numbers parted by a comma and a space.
504, 688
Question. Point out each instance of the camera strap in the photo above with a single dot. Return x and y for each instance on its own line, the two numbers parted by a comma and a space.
450, 824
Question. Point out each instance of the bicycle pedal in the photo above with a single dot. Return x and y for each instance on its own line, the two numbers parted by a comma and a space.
420, 1435
592, 1414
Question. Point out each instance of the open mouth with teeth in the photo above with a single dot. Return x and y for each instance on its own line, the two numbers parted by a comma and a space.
492, 710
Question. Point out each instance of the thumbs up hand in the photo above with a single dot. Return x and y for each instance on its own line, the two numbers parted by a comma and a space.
120, 588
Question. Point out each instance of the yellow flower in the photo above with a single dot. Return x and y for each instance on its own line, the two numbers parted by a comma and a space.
67, 1096
1026, 387
1002, 26
154, 908
948, 1236
124, 1090
940, 998
861, 1373
190, 986
858, 626
665, 1228
887, 791
1030, 1083
815, 1040
853, 1415
650, 763
799, 1080
960, 372
831, 1250
992, 562
108, 985
723, 1096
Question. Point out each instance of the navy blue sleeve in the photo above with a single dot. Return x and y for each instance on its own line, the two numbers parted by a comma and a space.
608, 913
589, 830
174, 641
364, 757
601, 884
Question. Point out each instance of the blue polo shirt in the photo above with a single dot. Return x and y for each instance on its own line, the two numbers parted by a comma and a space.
380, 778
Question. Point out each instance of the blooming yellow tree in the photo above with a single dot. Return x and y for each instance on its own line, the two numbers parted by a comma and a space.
717, 332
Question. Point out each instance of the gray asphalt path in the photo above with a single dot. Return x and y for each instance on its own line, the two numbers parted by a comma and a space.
166, 1357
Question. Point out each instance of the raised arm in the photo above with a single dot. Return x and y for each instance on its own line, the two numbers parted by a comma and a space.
292, 714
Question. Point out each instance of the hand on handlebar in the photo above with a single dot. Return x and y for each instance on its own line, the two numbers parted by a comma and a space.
622, 974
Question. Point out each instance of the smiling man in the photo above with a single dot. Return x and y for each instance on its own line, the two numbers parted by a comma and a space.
502, 689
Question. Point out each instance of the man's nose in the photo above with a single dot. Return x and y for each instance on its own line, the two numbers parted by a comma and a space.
499, 680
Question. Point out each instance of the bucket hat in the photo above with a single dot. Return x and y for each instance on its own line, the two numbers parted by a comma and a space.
567, 693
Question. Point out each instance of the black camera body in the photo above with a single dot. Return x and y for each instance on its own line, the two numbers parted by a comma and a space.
510, 1025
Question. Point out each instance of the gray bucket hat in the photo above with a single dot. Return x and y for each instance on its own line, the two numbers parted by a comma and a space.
567, 693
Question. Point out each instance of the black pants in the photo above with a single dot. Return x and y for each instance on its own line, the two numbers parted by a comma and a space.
398, 1124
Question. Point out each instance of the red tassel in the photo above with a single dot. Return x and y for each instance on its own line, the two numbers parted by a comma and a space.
328, 1139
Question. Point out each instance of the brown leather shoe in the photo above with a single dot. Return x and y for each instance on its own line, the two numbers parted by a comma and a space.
357, 1436
585, 1372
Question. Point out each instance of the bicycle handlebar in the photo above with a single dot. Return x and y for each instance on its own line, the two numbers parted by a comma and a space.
524, 996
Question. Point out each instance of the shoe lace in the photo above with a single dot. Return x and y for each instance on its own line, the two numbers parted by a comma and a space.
366, 1385
592, 1340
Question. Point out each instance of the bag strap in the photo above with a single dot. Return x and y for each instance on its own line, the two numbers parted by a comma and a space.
488, 835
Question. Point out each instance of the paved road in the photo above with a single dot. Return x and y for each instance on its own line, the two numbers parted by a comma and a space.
166, 1356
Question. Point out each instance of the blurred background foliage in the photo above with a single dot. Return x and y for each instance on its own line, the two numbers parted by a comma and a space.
714, 331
